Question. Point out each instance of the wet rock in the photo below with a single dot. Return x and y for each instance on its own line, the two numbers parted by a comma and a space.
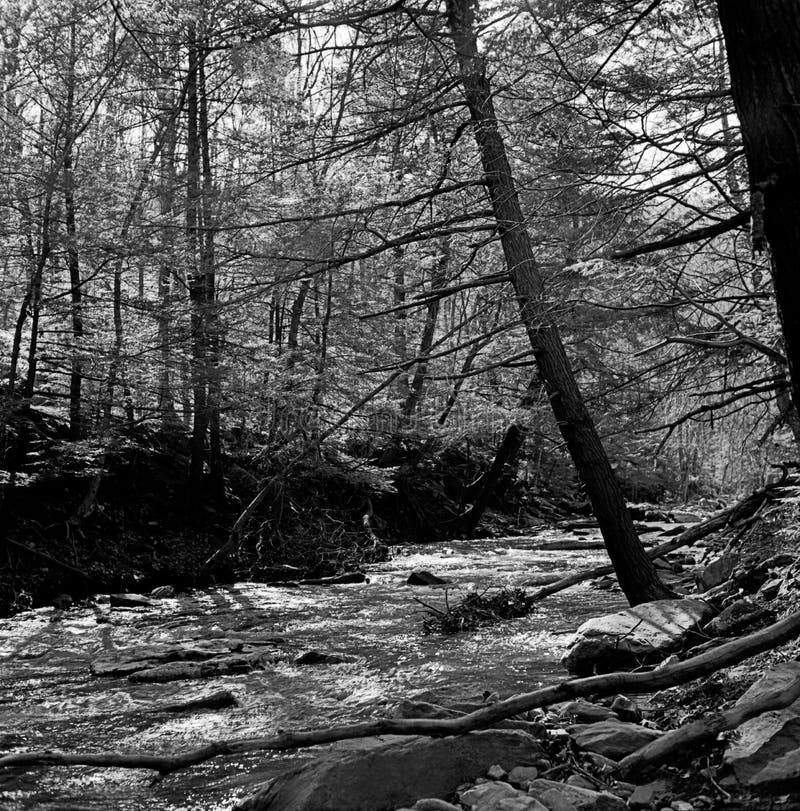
522, 776
393, 774
419, 577
737, 617
646, 632
218, 700
769, 738
557, 796
131, 601
315, 657
161, 592
647, 795
584, 712
125, 662
219, 666
614, 739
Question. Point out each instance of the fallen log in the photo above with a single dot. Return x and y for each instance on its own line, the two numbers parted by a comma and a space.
704, 729
741, 510
608, 684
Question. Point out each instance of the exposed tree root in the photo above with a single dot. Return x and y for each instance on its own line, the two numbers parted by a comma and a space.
608, 684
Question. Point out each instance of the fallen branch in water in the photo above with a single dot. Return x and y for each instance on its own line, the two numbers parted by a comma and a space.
741, 510
726, 655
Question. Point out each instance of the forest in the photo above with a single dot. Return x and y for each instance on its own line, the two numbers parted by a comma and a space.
301, 296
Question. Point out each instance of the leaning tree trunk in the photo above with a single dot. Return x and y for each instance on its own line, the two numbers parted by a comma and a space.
636, 574
762, 38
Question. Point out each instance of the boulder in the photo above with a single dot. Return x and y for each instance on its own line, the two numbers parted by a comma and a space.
768, 739
394, 774
613, 739
131, 601
216, 700
419, 577
556, 796
161, 592
315, 657
629, 638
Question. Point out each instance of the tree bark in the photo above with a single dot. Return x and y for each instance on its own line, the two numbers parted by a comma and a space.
762, 39
636, 574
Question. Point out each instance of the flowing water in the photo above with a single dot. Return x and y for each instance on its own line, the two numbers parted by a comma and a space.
49, 699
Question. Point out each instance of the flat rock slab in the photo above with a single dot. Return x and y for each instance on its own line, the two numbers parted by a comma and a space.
218, 666
131, 660
628, 638
612, 739
764, 750
393, 775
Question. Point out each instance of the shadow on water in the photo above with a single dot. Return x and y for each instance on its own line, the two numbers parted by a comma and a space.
49, 699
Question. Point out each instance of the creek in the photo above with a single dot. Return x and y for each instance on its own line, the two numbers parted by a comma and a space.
50, 700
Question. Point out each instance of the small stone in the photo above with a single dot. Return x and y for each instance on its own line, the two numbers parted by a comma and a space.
163, 591
626, 709
522, 776
623, 789
486, 795
496, 772
645, 795
681, 805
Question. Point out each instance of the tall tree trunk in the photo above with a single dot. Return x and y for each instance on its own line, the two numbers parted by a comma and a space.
637, 575
73, 264
762, 39
417, 384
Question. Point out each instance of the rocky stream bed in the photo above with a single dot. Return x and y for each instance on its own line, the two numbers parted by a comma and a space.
87, 677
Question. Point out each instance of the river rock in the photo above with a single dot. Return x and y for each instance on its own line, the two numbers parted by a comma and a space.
131, 601
522, 776
315, 657
129, 660
644, 633
768, 738
646, 795
419, 577
626, 709
217, 700
717, 572
161, 592
563, 797
614, 739
218, 666
393, 774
